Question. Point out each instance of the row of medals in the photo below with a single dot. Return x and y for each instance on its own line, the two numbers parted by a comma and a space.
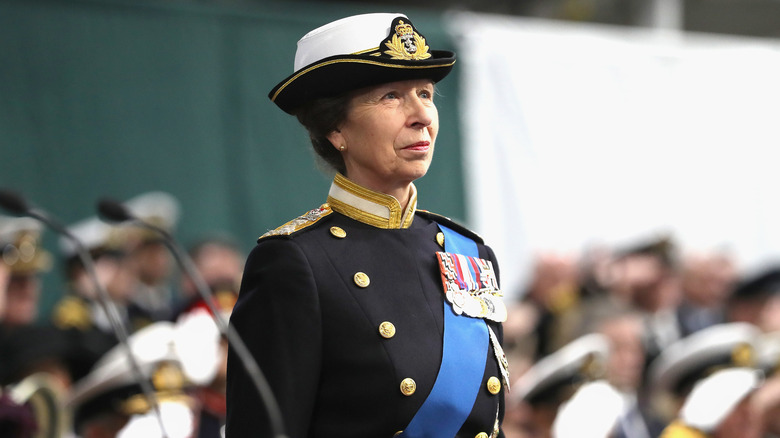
485, 303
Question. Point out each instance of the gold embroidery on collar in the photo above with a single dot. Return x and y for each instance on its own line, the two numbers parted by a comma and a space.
396, 218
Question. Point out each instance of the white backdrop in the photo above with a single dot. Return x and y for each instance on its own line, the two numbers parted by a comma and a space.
580, 134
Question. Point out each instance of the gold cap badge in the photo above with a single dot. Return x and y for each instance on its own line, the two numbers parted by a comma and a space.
406, 43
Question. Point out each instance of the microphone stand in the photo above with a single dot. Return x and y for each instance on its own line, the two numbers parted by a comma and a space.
18, 205
117, 212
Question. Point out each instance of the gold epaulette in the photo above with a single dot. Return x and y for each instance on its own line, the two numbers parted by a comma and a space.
72, 312
305, 220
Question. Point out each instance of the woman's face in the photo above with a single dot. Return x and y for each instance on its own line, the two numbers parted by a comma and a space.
388, 134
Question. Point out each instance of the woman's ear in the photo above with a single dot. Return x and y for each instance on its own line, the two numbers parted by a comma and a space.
337, 139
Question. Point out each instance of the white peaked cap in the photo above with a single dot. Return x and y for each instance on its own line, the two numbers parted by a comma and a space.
160, 206
346, 36
714, 345
357, 52
567, 362
715, 397
592, 412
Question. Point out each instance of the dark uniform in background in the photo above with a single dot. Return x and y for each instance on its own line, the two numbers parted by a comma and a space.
349, 309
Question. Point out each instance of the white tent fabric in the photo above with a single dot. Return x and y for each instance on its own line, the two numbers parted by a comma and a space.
581, 134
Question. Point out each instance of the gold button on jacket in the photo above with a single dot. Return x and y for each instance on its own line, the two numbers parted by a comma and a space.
361, 279
494, 385
440, 239
408, 386
338, 232
387, 329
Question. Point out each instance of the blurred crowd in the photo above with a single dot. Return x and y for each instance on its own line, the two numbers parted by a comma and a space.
644, 341
66, 374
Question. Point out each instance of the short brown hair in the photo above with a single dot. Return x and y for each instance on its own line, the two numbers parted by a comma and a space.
320, 117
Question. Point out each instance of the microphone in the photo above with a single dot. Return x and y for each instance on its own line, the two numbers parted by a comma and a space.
116, 212
15, 203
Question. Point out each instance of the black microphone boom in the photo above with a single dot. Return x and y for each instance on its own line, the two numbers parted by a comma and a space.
15, 203
116, 212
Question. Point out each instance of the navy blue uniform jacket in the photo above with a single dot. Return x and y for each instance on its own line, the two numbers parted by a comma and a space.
315, 331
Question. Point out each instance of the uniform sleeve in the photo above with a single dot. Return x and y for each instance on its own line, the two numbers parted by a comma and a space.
499, 331
277, 316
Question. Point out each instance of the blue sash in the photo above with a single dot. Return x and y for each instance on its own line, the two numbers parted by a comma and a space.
466, 343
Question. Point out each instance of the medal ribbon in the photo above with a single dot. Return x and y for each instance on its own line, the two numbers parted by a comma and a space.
466, 343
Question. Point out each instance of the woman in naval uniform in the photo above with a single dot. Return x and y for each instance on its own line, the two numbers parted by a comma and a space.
370, 318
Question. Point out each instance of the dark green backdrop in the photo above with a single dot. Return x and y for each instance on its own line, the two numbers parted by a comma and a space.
109, 98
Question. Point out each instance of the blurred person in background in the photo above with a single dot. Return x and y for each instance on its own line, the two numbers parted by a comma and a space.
81, 306
598, 298
221, 264
719, 406
672, 375
109, 402
30, 348
594, 266
23, 260
707, 280
625, 371
552, 301
538, 394
756, 299
153, 298
646, 278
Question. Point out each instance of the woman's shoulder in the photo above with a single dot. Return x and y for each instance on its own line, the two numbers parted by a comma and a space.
449, 223
303, 222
